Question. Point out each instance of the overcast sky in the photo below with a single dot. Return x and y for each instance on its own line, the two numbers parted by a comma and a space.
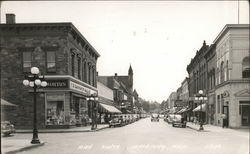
157, 38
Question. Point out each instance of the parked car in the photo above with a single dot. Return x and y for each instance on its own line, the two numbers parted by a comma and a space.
116, 121
7, 128
179, 121
170, 118
154, 117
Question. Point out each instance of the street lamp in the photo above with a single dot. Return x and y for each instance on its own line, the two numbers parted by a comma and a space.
200, 96
92, 99
35, 81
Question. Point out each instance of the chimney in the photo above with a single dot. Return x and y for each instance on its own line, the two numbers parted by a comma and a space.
10, 18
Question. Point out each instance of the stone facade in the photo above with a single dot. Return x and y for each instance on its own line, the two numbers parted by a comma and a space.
40, 38
232, 48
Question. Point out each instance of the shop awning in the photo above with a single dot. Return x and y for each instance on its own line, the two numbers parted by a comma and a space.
198, 108
110, 108
6, 103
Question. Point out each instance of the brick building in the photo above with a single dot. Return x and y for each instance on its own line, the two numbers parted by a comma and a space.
122, 86
210, 57
68, 62
197, 70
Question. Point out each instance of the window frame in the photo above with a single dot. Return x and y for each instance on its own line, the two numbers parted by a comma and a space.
46, 61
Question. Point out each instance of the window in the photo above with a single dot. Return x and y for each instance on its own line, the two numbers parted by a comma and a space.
222, 72
79, 67
246, 67
72, 64
55, 109
84, 72
89, 73
26, 61
51, 61
218, 104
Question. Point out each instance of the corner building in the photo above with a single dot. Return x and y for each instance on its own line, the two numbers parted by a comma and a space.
233, 77
68, 62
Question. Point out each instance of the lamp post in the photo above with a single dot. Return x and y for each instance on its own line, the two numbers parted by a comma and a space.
200, 96
92, 99
35, 81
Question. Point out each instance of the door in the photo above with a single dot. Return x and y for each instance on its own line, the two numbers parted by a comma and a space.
245, 115
226, 119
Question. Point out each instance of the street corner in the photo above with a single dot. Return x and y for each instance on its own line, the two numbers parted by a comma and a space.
18, 145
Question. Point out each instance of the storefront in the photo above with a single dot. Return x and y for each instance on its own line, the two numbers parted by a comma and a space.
65, 102
106, 110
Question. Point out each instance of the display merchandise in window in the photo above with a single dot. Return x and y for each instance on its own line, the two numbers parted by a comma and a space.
55, 113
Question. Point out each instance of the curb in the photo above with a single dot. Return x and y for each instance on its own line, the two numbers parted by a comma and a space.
198, 129
192, 128
25, 148
61, 131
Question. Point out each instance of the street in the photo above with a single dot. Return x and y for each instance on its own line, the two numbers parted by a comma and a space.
140, 137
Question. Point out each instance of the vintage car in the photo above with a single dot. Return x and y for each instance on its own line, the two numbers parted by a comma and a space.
154, 117
178, 120
116, 121
170, 118
7, 128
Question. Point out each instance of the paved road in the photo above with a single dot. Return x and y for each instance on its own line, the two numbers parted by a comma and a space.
142, 137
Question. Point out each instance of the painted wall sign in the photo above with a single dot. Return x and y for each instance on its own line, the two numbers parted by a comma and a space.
80, 88
57, 83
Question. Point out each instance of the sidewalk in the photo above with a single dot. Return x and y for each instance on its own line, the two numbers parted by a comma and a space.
10, 145
65, 130
212, 128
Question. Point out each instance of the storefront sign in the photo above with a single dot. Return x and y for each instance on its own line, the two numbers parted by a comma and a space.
57, 84
80, 88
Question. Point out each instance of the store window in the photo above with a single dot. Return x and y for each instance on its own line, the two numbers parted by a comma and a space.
55, 109
27, 61
51, 61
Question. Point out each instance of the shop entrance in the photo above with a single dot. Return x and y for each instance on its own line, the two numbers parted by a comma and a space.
245, 113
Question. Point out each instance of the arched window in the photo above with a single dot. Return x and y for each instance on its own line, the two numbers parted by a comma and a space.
246, 67
222, 77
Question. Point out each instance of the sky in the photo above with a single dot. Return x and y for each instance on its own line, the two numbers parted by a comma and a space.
157, 38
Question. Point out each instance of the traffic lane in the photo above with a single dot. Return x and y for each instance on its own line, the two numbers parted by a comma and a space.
142, 136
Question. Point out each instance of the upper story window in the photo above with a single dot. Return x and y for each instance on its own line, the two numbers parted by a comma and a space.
222, 77
27, 59
72, 64
79, 67
246, 67
51, 61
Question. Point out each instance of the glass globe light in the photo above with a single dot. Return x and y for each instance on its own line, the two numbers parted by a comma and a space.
205, 98
196, 98
44, 83
26, 82
31, 84
201, 92
38, 82
34, 70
